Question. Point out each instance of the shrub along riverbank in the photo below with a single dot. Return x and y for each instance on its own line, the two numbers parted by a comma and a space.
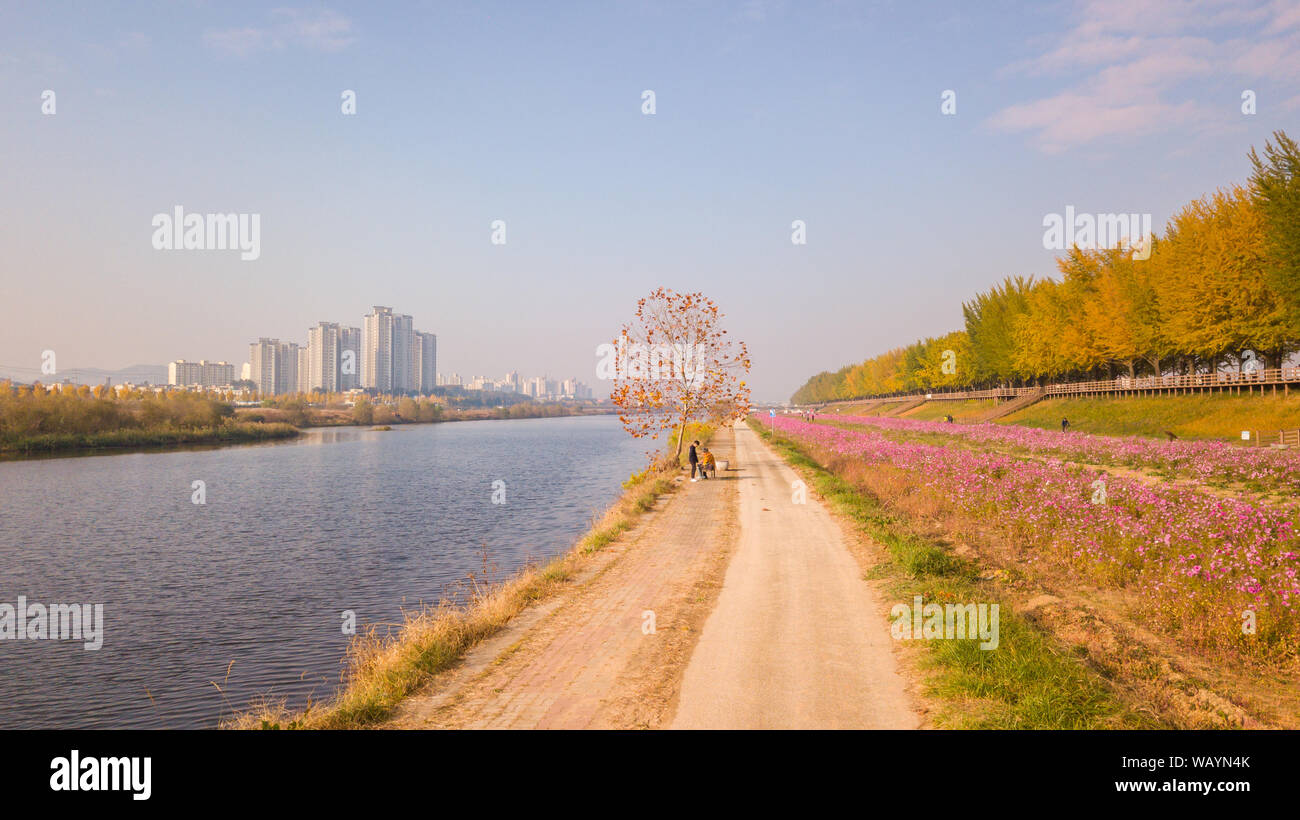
36, 421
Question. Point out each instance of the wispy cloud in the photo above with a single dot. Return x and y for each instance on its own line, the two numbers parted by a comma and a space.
1128, 66
319, 30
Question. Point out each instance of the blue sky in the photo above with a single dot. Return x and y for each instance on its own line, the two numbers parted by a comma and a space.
766, 112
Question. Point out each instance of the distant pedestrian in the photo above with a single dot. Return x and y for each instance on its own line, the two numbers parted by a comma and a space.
1064, 424
694, 458
950, 418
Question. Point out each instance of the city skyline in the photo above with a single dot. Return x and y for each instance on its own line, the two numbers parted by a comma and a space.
385, 355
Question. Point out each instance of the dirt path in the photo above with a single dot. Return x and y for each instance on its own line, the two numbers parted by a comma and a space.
798, 639
586, 658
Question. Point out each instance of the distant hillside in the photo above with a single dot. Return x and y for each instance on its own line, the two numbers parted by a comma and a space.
136, 374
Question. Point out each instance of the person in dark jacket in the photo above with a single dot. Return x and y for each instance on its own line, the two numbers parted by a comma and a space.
694, 459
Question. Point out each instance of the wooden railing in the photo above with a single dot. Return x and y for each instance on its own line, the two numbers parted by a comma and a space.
1282, 438
1276, 377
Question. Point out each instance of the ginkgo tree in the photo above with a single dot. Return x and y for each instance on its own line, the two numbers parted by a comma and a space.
1220, 288
1275, 189
674, 364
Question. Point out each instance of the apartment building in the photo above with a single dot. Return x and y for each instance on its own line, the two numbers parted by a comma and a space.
202, 373
425, 362
377, 350
273, 366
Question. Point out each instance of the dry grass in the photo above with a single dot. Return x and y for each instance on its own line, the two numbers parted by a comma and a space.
385, 667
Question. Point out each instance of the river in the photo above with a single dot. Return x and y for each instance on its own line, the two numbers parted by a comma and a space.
248, 590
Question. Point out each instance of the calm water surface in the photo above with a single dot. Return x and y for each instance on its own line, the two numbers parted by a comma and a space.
292, 535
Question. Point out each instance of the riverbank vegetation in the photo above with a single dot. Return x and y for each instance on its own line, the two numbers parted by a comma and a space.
1220, 288
335, 411
36, 420
384, 667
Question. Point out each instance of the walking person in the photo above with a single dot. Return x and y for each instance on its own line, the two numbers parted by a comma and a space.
1064, 424
694, 458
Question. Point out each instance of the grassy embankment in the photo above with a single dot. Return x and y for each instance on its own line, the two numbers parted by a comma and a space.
227, 433
382, 669
1192, 416
1030, 682
963, 412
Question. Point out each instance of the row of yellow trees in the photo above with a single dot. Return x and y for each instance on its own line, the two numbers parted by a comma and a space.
1221, 288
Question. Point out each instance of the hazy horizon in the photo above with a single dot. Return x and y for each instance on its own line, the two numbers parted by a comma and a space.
765, 113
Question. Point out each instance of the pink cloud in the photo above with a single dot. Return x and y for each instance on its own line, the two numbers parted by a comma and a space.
1129, 65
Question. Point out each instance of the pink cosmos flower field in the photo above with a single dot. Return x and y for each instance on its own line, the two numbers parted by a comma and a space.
1194, 558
